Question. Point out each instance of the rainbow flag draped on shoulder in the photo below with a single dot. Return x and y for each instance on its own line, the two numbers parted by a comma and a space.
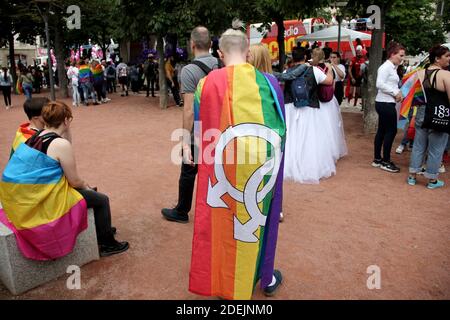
97, 73
240, 176
412, 92
84, 73
23, 133
39, 206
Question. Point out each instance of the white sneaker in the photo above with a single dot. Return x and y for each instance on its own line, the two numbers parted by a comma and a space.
281, 217
442, 169
107, 99
400, 149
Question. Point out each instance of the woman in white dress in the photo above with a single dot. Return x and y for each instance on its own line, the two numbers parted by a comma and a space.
315, 138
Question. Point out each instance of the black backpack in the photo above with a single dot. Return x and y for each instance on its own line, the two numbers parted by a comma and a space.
304, 90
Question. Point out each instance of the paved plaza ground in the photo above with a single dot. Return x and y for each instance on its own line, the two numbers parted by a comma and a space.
331, 234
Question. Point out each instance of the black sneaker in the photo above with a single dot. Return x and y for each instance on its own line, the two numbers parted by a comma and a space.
174, 215
114, 230
390, 167
269, 291
376, 163
113, 248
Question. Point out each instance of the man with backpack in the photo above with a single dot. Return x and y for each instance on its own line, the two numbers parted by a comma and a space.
191, 74
111, 77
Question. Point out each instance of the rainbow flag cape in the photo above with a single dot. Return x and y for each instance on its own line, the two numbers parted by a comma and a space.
412, 92
23, 133
240, 178
97, 73
39, 206
84, 73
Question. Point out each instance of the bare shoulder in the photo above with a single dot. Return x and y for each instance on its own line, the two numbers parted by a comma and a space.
58, 148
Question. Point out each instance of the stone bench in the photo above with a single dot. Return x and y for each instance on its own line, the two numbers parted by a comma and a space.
20, 274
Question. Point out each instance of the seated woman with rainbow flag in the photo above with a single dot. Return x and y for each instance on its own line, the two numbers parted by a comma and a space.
45, 201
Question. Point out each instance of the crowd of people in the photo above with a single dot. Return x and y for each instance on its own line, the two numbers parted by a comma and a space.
295, 111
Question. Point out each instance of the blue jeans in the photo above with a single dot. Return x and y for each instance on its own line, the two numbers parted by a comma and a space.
87, 91
427, 142
27, 90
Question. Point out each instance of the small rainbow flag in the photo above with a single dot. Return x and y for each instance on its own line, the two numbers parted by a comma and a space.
240, 176
412, 92
23, 133
39, 206
84, 73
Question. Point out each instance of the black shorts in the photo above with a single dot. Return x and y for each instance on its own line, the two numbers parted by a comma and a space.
123, 80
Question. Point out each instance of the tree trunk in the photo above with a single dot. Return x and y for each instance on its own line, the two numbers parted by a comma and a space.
280, 39
12, 61
162, 74
60, 66
375, 58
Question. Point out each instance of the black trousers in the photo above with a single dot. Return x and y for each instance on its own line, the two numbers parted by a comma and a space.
6, 90
339, 91
111, 85
102, 213
186, 186
151, 85
175, 92
387, 129
98, 87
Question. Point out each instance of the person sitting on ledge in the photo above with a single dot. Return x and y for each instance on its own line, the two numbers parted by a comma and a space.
45, 201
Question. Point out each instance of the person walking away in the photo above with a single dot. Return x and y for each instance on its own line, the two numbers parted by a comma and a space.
171, 81
97, 75
234, 242
122, 73
6, 85
26, 80
191, 74
385, 104
111, 77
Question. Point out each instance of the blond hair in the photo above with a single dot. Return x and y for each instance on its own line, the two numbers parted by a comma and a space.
234, 39
260, 58
317, 56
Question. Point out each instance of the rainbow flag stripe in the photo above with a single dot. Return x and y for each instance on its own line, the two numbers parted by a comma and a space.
224, 264
84, 73
97, 73
23, 133
412, 92
39, 206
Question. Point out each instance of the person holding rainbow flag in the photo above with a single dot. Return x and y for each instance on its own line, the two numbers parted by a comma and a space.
240, 175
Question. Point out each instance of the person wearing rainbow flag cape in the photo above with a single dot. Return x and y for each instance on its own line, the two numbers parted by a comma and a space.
240, 175
32, 108
44, 199
98, 81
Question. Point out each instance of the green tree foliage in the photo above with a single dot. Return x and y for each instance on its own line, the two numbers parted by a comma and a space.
414, 24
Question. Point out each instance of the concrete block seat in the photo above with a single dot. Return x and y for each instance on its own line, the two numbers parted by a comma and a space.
20, 274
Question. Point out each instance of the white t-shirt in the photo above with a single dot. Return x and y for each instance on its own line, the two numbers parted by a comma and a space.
336, 76
353, 23
72, 74
319, 75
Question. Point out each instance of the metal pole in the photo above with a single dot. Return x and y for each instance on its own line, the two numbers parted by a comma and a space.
50, 64
339, 34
